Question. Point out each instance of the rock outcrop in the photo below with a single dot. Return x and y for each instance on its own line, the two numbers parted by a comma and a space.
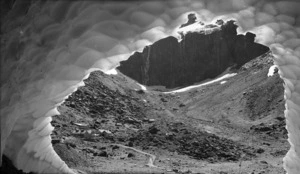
198, 56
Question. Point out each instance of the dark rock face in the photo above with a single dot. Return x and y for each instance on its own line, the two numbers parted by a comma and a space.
191, 19
197, 57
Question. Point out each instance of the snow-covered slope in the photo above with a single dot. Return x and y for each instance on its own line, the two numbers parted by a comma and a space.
49, 47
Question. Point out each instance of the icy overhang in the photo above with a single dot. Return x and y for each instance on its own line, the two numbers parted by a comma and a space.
49, 47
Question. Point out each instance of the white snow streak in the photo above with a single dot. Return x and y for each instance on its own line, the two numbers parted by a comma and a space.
142, 87
203, 84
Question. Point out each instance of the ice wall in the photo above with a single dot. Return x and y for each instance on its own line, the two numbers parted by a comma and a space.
47, 51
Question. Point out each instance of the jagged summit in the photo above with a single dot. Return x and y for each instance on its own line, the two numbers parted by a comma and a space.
192, 25
191, 20
201, 54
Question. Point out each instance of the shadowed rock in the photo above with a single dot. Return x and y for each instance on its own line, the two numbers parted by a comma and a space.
196, 57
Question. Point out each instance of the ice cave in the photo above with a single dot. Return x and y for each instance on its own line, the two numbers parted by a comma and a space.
49, 47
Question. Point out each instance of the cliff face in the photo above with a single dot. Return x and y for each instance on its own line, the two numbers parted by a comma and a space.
196, 57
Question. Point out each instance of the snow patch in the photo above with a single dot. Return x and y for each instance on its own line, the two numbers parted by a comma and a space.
197, 27
203, 84
142, 87
111, 72
272, 70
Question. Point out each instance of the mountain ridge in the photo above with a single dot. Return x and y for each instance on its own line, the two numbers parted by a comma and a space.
196, 57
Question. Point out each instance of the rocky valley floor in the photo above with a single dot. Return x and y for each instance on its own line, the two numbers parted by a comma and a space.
233, 126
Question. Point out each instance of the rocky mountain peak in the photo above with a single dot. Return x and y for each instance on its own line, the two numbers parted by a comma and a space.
201, 54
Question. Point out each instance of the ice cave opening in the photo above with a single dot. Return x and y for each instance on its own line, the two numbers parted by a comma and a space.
49, 47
